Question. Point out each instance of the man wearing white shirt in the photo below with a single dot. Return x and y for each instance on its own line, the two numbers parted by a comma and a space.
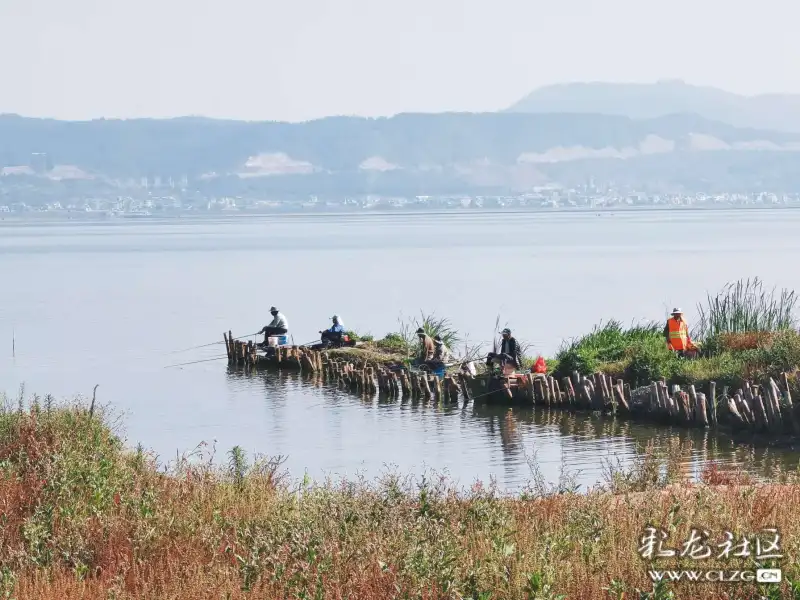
278, 326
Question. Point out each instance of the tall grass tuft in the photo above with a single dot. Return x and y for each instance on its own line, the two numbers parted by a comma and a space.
237, 465
745, 307
407, 340
441, 326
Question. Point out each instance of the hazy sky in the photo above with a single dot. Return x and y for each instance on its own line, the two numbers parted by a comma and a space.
301, 59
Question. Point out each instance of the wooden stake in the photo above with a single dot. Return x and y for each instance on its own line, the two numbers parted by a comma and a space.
619, 390
437, 389
691, 396
787, 389
528, 381
734, 410
712, 402
743, 409
570, 390
538, 391
702, 404
407, 391
426, 388
699, 406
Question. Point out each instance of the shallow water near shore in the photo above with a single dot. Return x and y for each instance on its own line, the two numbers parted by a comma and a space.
109, 303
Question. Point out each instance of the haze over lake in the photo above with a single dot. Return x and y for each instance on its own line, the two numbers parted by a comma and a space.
109, 303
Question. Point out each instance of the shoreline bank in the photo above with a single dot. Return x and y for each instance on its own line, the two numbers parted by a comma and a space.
84, 517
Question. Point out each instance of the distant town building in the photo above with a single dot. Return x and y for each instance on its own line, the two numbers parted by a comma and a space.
40, 162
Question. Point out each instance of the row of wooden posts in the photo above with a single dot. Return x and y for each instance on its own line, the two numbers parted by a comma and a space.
403, 384
765, 408
355, 374
245, 354
600, 392
760, 408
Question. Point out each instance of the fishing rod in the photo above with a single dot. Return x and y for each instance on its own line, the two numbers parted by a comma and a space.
213, 343
195, 348
194, 362
485, 394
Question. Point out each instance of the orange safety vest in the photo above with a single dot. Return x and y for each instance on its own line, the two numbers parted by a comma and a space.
678, 334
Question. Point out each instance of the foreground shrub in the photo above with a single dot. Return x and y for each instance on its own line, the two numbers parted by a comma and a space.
84, 518
650, 360
606, 344
780, 352
393, 342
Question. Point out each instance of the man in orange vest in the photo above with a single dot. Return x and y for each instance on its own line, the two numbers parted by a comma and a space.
677, 334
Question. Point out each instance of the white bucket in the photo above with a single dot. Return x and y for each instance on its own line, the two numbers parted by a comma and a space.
276, 340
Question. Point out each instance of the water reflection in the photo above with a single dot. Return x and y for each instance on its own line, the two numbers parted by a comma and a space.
337, 431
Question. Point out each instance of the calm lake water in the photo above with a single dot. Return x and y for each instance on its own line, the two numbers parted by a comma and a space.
109, 303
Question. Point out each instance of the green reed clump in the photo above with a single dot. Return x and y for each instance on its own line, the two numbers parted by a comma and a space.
441, 326
744, 306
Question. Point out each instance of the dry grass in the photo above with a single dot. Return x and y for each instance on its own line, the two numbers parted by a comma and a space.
738, 342
369, 353
84, 518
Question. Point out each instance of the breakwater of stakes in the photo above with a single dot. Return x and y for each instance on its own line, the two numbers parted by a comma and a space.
762, 407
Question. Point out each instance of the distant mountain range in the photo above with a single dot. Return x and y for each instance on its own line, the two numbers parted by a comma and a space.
647, 101
558, 134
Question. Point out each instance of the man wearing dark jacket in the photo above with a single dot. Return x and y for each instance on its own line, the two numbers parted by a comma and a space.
509, 350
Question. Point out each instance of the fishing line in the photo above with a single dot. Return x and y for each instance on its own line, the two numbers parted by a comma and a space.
212, 343
194, 362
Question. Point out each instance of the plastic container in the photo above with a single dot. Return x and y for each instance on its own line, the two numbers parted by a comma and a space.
276, 340
439, 372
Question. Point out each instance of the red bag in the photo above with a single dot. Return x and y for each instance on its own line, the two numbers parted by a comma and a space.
539, 366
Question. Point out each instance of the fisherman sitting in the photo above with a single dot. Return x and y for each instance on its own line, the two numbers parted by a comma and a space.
676, 333
509, 355
441, 355
427, 348
333, 336
278, 325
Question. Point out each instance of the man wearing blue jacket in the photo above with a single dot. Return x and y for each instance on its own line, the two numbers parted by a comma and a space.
333, 336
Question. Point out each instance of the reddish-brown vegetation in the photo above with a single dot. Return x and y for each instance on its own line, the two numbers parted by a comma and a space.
84, 518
